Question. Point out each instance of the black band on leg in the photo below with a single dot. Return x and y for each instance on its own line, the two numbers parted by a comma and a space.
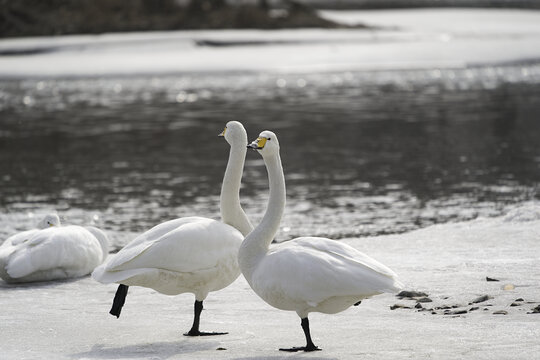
119, 300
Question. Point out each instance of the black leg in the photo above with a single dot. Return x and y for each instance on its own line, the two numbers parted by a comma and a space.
119, 300
196, 319
310, 346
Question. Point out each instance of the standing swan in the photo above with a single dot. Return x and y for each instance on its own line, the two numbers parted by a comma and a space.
190, 254
306, 274
52, 252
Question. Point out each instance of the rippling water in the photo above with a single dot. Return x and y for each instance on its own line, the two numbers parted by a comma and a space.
364, 152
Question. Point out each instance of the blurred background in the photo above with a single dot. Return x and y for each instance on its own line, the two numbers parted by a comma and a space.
392, 114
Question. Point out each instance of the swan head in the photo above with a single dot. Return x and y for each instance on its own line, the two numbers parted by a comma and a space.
267, 144
48, 221
234, 132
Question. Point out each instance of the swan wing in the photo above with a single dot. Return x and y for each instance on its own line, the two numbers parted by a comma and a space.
142, 242
186, 245
314, 269
71, 248
19, 238
346, 252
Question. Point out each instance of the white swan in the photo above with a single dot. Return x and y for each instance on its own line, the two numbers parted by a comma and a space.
191, 254
52, 252
307, 274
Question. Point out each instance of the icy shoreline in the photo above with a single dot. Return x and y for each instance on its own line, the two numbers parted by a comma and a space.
401, 39
70, 320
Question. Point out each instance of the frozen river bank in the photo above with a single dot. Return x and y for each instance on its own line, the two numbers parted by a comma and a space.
70, 320
402, 39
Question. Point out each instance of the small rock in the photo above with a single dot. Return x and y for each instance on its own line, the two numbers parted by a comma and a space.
491, 279
424, 300
433, 313
508, 287
474, 308
411, 294
535, 310
520, 299
418, 306
455, 312
399, 306
221, 348
480, 299
515, 304
500, 312
444, 307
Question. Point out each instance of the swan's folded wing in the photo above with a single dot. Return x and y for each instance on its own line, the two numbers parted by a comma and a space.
347, 252
315, 269
19, 238
138, 245
194, 245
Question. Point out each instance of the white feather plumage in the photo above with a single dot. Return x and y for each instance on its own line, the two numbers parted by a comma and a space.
307, 274
192, 254
52, 253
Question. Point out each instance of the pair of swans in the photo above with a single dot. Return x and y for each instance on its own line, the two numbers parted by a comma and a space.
200, 255
52, 252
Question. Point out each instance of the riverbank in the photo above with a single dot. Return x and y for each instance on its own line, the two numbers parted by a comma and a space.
55, 17
450, 263
398, 39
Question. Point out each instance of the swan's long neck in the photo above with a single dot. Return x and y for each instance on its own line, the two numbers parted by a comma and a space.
231, 210
256, 244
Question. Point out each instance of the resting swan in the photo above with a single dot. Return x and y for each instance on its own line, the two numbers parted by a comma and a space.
306, 274
190, 254
52, 252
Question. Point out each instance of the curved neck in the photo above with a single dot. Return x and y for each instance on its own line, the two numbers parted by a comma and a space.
230, 208
256, 244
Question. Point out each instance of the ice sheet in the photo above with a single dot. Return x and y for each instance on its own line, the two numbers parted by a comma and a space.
403, 39
70, 320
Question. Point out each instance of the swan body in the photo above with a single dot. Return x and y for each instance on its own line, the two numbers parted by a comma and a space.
52, 252
313, 274
191, 254
306, 274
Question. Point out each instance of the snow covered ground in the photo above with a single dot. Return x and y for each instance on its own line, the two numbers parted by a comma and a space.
405, 39
70, 320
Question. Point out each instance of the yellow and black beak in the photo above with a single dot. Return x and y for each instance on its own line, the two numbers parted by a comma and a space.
258, 144
223, 132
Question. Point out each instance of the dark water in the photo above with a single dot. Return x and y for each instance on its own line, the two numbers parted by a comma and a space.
364, 153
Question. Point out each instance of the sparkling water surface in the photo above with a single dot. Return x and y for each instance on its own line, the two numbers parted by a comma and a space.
364, 152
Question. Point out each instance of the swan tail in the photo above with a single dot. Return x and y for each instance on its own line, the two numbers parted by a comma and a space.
119, 300
397, 286
102, 239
